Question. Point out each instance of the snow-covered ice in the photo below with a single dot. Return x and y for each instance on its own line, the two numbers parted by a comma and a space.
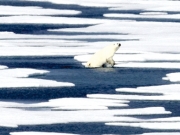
24, 117
3, 67
47, 20
18, 10
82, 103
154, 125
173, 77
145, 44
18, 78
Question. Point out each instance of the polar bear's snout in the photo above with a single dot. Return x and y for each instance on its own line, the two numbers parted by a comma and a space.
119, 44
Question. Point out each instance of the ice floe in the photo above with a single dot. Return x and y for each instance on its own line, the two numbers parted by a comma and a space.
124, 5
18, 78
161, 89
47, 20
150, 65
24, 117
173, 77
18, 10
136, 97
82, 104
3, 67
151, 125
144, 16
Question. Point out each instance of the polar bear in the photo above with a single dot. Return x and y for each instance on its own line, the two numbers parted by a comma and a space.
104, 57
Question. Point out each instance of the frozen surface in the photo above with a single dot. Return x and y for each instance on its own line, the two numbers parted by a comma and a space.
24, 117
173, 77
18, 78
155, 60
3, 67
82, 103
122, 4
149, 33
15, 10
150, 16
154, 125
47, 20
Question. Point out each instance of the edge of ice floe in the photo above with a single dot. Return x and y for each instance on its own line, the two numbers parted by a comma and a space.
3, 67
18, 77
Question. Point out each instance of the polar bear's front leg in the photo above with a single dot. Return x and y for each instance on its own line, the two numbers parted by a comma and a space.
110, 61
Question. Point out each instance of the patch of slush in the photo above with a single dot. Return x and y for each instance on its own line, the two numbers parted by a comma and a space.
18, 10
18, 78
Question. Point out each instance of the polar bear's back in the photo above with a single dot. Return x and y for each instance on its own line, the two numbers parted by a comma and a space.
100, 58
96, 60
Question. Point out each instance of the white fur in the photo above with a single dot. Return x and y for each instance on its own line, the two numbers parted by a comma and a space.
104, 57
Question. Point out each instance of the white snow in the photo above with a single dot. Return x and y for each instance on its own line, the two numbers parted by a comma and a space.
173, 77
82, 104
136, 97
47, 20
150, 65
161, 89
167, 92
18, 10
18, 78
159, 5
3, 67
151, 125
144, 16
24, 117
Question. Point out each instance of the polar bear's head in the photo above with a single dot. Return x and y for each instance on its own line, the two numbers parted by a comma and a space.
116, 46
